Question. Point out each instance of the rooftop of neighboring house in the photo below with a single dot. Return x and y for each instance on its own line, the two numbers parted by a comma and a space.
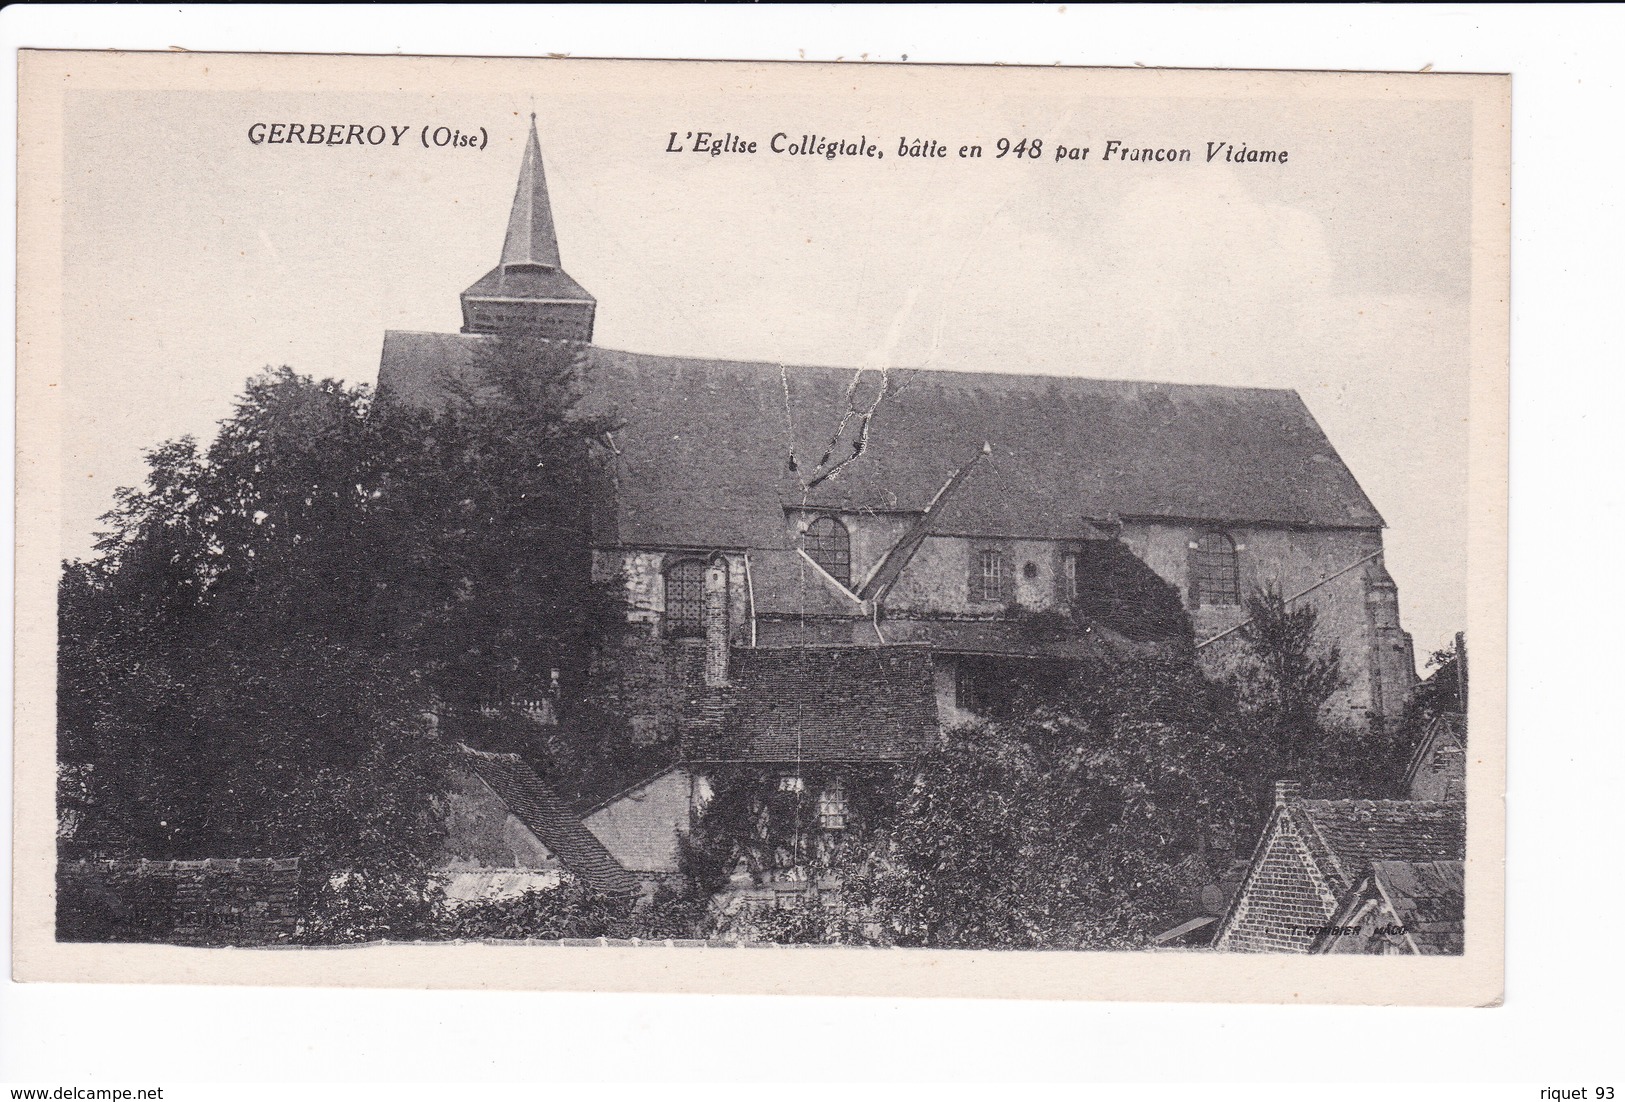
1446, 733
1345, 837
713, 452
1428, 898
1418, 905
1355, 844
548, 816
821, 704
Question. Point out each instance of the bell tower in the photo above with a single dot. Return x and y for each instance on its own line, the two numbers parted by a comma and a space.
529, 289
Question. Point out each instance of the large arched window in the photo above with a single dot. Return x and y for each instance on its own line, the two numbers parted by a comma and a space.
829, 545
1214, 573
685, 598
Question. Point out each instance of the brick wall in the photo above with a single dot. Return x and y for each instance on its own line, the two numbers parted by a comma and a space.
245, 901
1283, 897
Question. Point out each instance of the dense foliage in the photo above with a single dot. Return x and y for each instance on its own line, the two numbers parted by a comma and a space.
1077, 824
354, 908
247, 663
1089, 816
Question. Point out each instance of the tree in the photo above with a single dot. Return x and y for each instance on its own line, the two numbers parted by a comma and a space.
1288, 676
216, 669
247, 663
756, 819
1079, 821
1283, 682
495, 589
496, 492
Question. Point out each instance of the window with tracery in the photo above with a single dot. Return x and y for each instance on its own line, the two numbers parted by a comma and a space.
1215, 573
828, 544
685, 598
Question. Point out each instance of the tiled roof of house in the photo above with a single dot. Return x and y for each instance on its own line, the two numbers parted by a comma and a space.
707, 449
1347, 836
547, 816
1447, 731
1412, 906
987, 637
1428, 899
824, 704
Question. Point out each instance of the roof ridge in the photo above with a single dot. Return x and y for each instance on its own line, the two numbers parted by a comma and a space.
1326, 847
942, 372
633, 787
489, 755
779, 648
1385, 801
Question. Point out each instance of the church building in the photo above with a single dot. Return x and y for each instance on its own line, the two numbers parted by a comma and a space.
827, 564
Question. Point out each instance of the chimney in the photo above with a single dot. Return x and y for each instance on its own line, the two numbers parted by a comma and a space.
716, 622
1287, 791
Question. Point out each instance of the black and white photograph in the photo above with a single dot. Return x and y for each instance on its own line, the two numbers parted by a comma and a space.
614, 512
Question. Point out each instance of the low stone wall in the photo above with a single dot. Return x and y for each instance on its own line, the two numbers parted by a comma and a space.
239, 901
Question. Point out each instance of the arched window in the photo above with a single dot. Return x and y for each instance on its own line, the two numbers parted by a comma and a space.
828, 545
685, 598
1214, 573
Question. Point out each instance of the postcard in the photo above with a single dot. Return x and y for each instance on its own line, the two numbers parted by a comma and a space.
965, 530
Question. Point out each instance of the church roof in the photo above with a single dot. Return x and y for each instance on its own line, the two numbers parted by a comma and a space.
706, 452
544, 284
530, 267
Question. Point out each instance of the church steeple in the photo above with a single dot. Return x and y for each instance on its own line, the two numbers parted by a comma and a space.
529, 289
531, 238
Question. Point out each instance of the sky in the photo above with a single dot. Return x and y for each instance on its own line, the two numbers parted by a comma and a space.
194, 258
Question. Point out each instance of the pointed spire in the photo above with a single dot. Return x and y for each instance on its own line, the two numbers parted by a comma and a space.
531, 238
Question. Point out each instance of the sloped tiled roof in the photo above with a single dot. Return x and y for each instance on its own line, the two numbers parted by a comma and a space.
986, 637
1447, 731
707, 448
1347, 836
824, 704
528, 283
1428, 899
547, 816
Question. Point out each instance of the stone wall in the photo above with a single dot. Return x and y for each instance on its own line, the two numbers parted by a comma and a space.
1358, 612
654, 680
937, 579
644, 575
1358, 608
246, 901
